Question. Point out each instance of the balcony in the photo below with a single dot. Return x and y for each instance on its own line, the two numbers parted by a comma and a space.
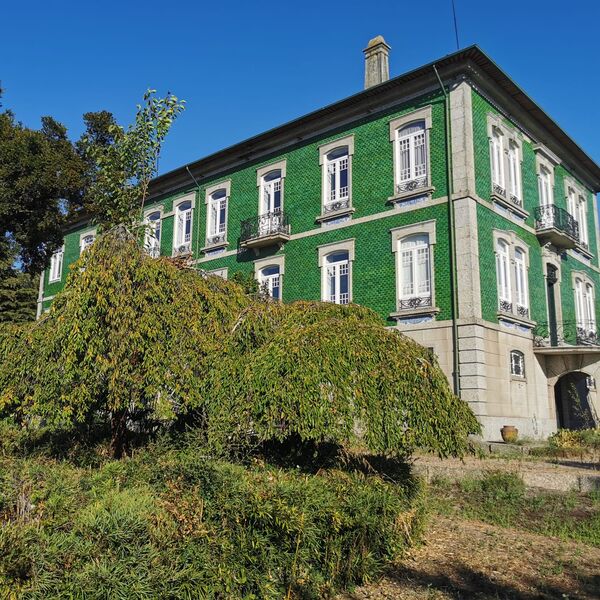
566, 336
267, 229
557, 226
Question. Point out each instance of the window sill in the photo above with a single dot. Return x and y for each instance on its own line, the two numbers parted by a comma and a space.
211, 247
415, 312
519, 378
335, 214
54, 280
181, 252
506, 316
505, 203
583, 251
397, 199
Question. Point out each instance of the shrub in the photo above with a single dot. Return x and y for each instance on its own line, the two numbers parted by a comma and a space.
169, 523
567, 439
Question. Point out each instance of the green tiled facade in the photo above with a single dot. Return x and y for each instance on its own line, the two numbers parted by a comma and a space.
475, 343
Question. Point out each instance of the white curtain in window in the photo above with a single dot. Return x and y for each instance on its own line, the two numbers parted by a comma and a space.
503, 271
581, 218
415, 271
497, 152
152, 236
580, 305
514, 171
271, 192
545, 187
337, 175
217, 213
56, 263
183, 226
590, 309
521, 279
411, 152
270, 281
338, 278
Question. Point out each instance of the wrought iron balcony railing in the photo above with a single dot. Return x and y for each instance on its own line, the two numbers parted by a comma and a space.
554, 217
415, 302
411, 186
566, 333
268, 225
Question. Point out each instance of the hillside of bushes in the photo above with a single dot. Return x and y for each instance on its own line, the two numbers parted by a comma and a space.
169, 522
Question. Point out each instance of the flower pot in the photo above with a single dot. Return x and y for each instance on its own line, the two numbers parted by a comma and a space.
509, 434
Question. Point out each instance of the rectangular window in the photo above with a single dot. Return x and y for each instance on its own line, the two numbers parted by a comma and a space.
517, 363
581, 218
514, 172
497, 153
545, 187
183, 227
86, 241
56, 264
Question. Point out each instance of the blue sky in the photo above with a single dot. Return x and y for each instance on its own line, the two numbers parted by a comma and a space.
244, 67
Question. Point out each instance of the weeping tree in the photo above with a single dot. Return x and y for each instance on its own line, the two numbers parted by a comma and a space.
320, 371
126, 340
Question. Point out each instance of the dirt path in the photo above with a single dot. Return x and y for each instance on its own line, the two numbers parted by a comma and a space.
469, 559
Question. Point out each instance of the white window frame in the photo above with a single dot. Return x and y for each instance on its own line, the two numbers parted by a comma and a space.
216, 233
84, 238
577, 207
265, 263
422, 185
261, 182
506, 158
512, 276
56, 265
521, 278
584, 292
545, 161
336, 206
517, 363
327, 250
398, 235
222, 273
180, 245
151, 241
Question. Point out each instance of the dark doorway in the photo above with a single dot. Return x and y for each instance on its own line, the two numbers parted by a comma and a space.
573, 409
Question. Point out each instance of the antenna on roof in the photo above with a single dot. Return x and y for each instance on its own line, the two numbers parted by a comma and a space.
455, 25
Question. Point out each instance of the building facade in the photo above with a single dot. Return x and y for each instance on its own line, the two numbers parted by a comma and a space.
443, 199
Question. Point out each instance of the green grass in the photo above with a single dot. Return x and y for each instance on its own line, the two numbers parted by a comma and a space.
171, 523
501, 498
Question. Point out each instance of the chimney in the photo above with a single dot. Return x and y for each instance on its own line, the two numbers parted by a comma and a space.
377, 67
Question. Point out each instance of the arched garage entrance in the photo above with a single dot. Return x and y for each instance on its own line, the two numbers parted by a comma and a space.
573, 408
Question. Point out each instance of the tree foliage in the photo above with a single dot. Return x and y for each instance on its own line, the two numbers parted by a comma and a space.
127, 160
41, 179
143, 340
322, 371
126, 337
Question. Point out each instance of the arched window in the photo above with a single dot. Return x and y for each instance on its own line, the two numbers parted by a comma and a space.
337, 187
517, 363
581, 217
269, 279
521, 287
503, 276
271, 192
411, 153
545, 187
337, 277
497, 153
514, 172
415, 272
217, 216
152, 235
86, 241
183, 227
56, 264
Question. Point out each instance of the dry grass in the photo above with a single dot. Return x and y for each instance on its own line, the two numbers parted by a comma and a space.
468, 559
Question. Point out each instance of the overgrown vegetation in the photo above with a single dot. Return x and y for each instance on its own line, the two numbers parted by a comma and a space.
501, 498
146, 342
168, 522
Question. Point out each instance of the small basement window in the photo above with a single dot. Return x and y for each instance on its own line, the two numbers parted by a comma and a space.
517, 363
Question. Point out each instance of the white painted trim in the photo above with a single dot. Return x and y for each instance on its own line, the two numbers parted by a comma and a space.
421, 114
325, 149
270, 261
280, 165
399, 233
211, 189
344, 246
223, 273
